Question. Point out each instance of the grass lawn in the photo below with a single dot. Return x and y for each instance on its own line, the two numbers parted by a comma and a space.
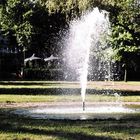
66, 98
14, 127
49, 91
65, 84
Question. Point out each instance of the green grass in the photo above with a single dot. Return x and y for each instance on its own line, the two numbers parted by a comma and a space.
13, 127
62, 87
49, 91
62, 84
43, 82
66, 98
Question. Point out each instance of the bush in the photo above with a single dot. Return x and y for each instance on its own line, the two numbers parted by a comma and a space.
43, 74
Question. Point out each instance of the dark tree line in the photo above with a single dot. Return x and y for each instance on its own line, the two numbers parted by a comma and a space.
35, 26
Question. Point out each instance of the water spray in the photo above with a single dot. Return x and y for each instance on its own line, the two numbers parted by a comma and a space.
94, 25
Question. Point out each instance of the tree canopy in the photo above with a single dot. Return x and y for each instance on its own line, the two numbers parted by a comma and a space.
15, 20
17, 15
124, 18
28, 23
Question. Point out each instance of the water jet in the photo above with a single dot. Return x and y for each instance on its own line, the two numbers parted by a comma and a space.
86, 35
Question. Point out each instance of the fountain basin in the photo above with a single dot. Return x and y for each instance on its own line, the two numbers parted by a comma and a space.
74, 111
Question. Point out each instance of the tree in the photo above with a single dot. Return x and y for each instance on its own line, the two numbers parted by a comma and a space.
15, 20
47, 29
124, 18
125, 33
32, 23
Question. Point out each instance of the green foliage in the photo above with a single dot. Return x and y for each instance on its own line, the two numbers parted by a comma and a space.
125, 30
125, 26
30, 24
66, 5
18, 19
81, 5
123, 17
15, 16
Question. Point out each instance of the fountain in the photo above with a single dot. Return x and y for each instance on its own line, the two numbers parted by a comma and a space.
87, 32
86, 38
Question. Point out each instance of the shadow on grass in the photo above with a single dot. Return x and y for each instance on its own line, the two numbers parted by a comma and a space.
66, 129
56, 133
63, 91
40, 83
60, 129
130, 127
